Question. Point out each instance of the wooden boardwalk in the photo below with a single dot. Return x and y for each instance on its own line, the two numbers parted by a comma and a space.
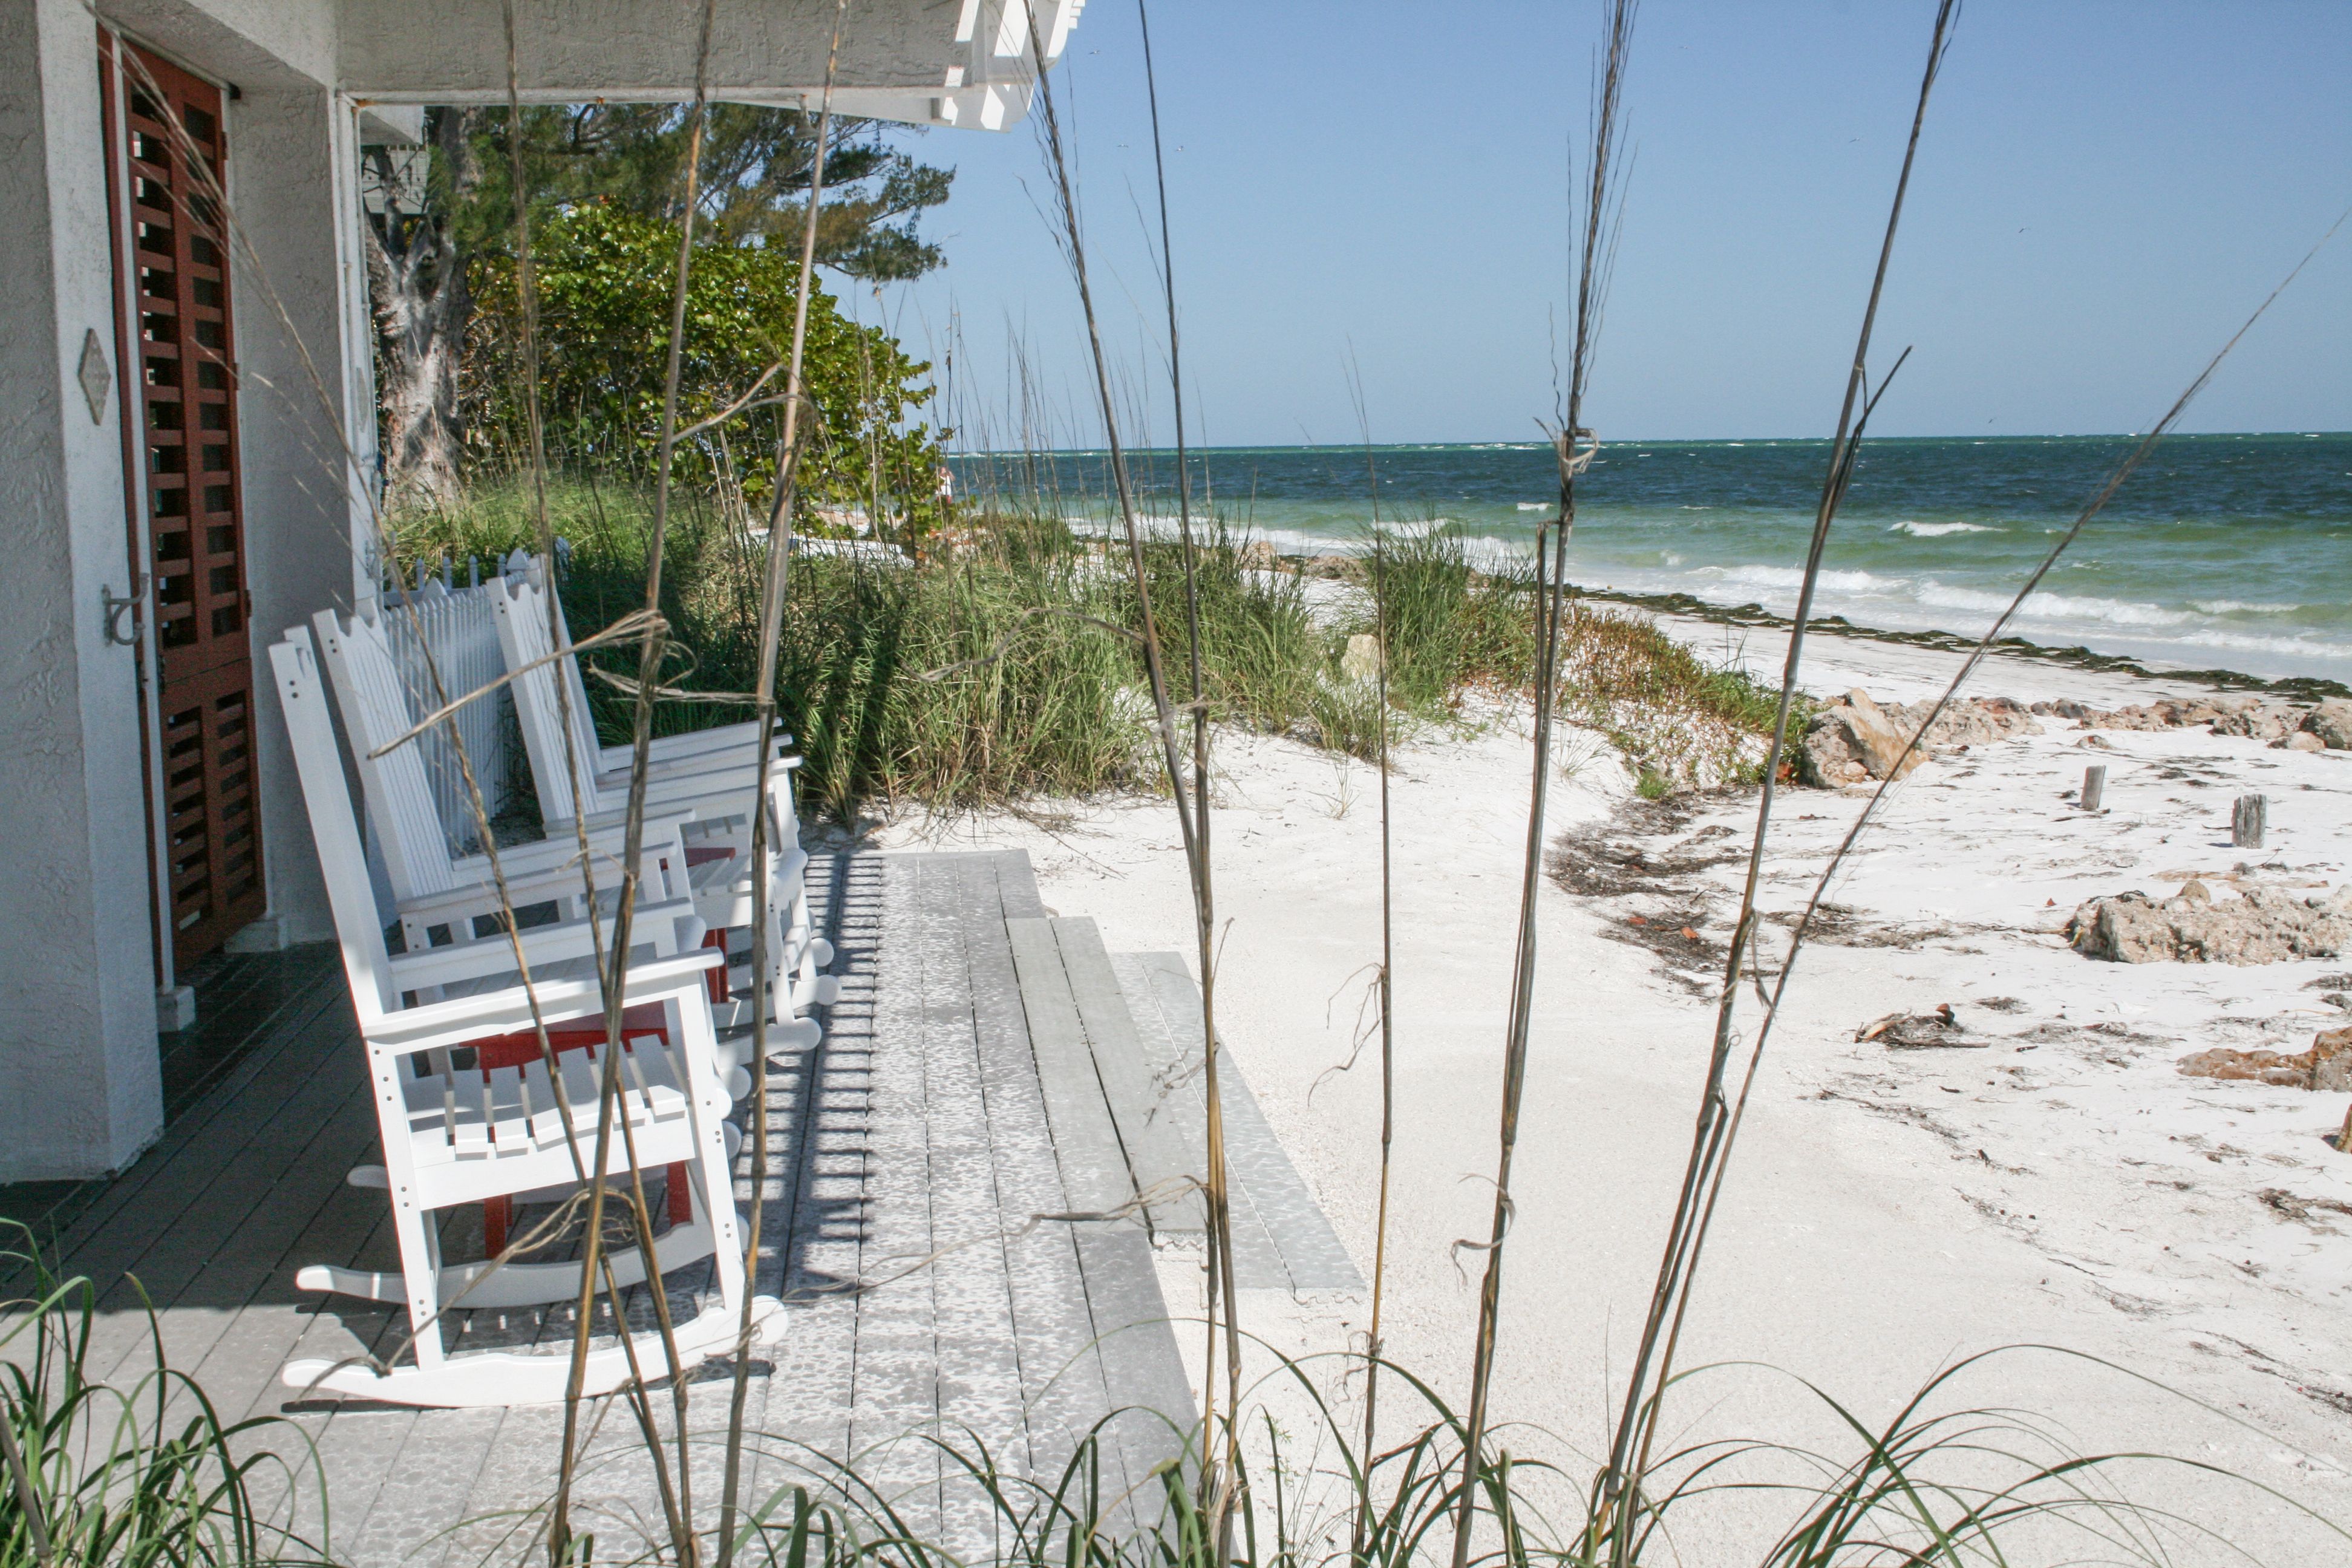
956, 1098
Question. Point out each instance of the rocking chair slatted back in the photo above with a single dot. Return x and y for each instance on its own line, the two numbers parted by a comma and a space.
342, 859
574, 680
564, 774
377, 709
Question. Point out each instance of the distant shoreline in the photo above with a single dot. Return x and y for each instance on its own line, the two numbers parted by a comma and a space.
2308, 687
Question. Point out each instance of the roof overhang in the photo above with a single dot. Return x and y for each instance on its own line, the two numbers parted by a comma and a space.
965, 63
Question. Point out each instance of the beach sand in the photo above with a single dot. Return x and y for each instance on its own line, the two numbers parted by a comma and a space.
1890, 1211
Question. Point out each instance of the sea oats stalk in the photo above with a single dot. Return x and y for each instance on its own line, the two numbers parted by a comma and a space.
1620, 1482
1383, 981
773, 583
1220, 1254
1595, 254
1218, 1483
679, 1506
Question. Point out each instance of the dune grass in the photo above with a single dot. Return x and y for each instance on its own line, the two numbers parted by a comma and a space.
128, 1475
1011, 669
149, 1475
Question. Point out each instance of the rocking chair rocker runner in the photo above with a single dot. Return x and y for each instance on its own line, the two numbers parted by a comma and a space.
455, 1136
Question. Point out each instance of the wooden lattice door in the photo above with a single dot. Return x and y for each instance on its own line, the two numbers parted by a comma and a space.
171, 263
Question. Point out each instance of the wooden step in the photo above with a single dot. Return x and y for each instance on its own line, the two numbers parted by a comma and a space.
1117, 1142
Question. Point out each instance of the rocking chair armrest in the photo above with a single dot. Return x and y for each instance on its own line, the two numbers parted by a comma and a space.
550, 865
481, 897
506, 1009
561, 848
713, 791
546, 945
697, 744
715, 797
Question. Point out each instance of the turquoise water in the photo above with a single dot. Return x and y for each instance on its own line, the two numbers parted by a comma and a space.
2231, 551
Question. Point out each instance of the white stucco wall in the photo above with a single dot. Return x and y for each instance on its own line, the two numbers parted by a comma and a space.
292, 186
80, 1091
251, 42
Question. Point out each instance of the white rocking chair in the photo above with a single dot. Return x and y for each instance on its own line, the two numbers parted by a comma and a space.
431, 885
434, 889
716, 784
453, 1136
720, 745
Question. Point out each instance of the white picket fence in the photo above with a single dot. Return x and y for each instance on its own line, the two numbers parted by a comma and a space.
459, 625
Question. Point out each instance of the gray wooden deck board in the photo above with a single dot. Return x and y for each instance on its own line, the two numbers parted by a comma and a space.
920, 1124
1061, 1381
1155, 1151
1094, 1171
1281, 1236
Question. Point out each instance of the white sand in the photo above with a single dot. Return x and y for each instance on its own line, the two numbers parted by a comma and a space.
1889, 1211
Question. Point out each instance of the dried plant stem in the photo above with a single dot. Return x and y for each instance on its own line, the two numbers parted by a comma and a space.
1592, 275
680, 1508
771, 612
1220, 1484
1220, 1257
1619, 1483
1384, 995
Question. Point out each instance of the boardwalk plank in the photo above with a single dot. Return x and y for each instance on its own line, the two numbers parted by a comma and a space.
1153, 1146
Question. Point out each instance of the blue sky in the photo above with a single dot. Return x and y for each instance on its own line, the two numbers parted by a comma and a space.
2104, 191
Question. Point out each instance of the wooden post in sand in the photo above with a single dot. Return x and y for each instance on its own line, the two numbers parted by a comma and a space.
2247, 821
2095, 785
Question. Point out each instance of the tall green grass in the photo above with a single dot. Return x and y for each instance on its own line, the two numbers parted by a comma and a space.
1010, 667
1936, 1482
142, 1475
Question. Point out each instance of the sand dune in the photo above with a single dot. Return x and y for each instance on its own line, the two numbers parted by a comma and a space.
2053, 1180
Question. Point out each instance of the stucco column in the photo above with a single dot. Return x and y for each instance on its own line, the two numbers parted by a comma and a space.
305, 352
80, 1090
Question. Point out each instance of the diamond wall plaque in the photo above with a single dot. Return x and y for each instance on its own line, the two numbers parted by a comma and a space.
96, 379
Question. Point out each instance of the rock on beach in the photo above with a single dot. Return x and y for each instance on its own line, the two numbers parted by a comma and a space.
2326, 1066
1854, 738
2264, 925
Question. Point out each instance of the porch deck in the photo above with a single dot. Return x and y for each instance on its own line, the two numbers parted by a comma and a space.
966, 1085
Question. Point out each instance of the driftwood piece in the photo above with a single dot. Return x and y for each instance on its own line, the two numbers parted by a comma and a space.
2095, 785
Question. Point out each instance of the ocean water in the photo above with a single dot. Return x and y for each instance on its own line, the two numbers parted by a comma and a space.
2228, 551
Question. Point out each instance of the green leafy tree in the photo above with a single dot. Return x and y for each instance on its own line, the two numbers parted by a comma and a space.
439, 214
756, 168
605, 278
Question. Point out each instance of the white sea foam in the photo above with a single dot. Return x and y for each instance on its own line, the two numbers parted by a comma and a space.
1533, 506
1791, 578
1937, 530
2299, 647
2243, 607
2046, 606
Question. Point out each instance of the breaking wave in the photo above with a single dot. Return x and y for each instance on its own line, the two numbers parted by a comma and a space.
1938, 529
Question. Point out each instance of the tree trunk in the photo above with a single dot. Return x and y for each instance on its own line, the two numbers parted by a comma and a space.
417, 279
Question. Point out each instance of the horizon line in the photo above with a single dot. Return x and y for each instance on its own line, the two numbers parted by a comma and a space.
1635, 441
